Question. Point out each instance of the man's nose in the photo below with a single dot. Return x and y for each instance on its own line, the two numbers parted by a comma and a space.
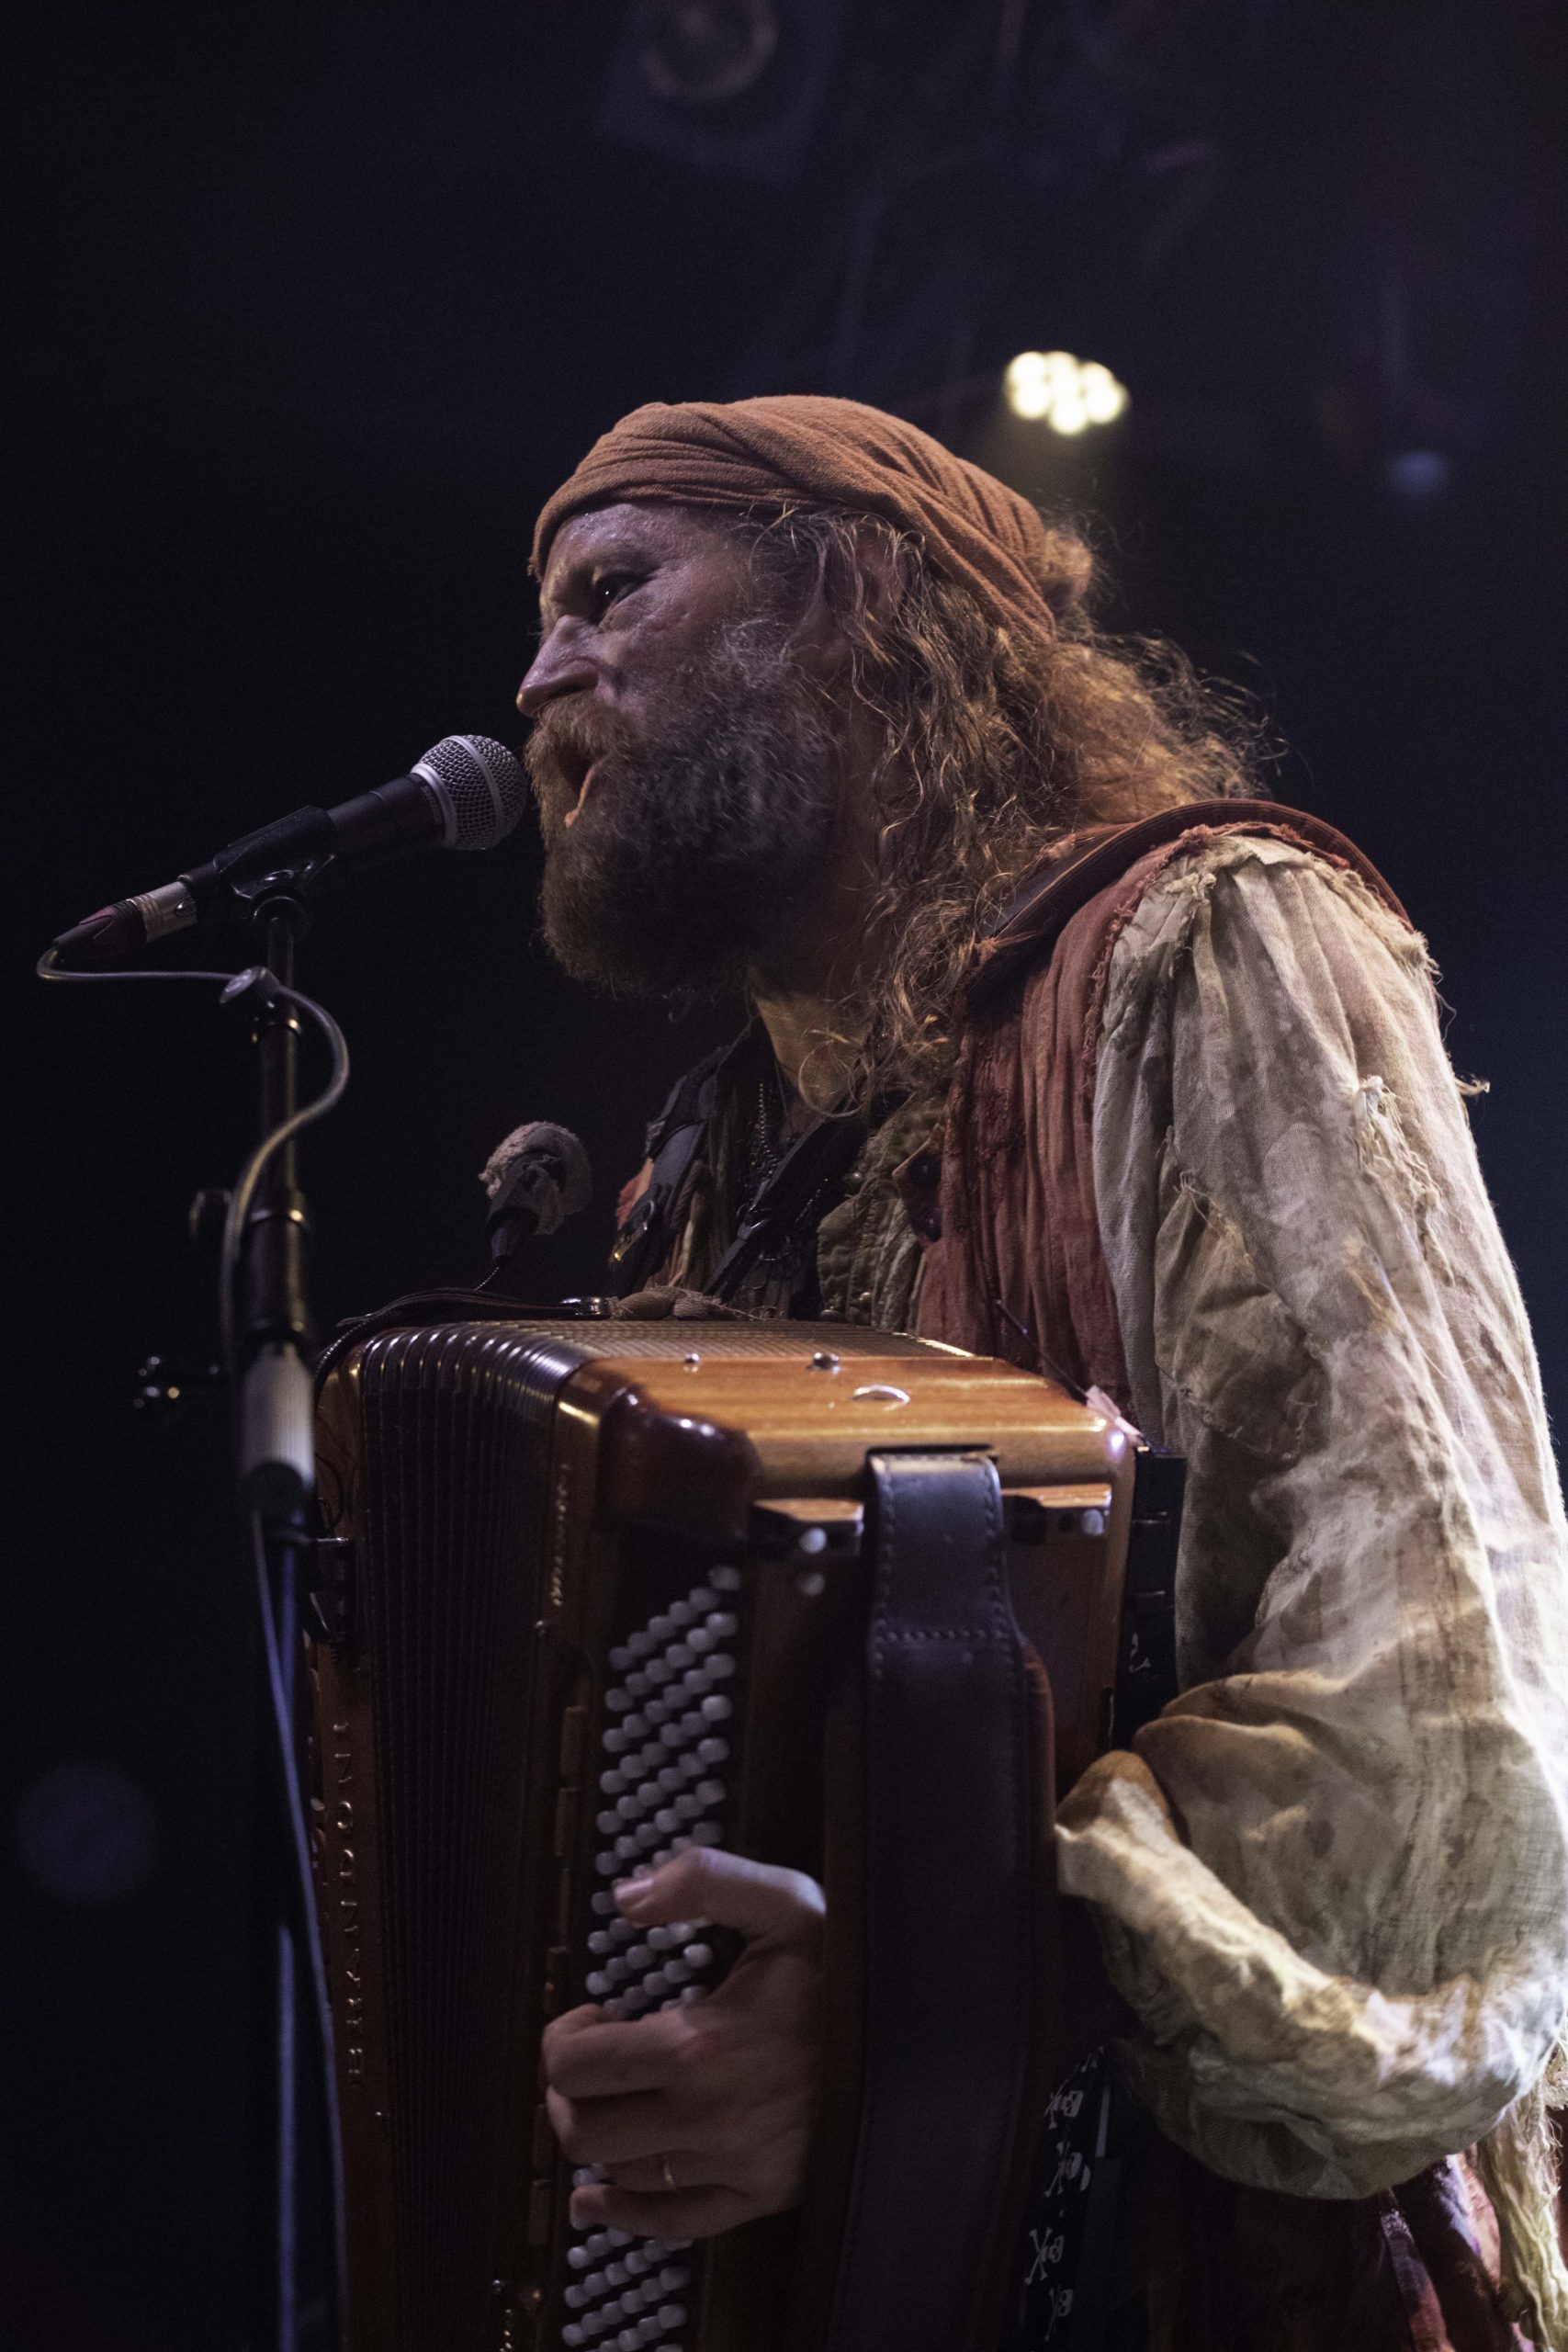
561, 667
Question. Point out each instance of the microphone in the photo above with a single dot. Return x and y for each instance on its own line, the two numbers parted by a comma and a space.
466, 793
536, 1177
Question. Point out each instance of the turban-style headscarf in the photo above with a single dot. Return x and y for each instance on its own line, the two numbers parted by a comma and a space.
797, 449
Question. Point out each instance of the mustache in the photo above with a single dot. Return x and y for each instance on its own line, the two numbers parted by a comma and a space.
564, 743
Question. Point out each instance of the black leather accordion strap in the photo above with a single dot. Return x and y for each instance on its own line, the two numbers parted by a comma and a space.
951, 1909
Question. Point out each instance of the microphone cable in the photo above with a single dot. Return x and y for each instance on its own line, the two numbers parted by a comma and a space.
255, 979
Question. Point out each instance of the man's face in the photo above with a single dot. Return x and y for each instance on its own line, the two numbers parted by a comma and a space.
687, 774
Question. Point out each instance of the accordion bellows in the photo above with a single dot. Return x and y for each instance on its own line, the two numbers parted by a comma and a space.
592, 1591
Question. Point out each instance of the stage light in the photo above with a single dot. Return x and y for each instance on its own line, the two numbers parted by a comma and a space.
1418, 474
1104, 398
1052, 388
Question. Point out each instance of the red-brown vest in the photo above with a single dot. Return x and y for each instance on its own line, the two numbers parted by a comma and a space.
1019, 1249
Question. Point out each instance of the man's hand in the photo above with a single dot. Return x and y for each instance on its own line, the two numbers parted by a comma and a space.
716, 2097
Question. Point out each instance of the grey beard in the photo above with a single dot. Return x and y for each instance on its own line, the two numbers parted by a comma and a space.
695, 844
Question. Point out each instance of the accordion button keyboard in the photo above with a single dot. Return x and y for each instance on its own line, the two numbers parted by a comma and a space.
664, 1792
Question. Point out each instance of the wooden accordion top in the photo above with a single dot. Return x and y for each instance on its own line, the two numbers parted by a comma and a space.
698, 1420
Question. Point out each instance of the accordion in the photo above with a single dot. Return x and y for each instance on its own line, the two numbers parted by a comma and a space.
590, 1591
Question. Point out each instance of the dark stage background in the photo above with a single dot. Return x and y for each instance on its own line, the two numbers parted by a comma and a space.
317, 304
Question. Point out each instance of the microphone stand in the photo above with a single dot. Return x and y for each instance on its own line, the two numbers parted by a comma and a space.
295, 2188
466, 793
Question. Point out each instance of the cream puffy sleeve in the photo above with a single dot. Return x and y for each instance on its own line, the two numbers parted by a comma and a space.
1333, 1877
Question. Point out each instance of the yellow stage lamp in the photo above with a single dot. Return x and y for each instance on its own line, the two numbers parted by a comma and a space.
1068, 394
1028, 386
1104, 398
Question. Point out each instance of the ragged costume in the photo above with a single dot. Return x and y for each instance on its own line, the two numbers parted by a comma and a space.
1200, 1148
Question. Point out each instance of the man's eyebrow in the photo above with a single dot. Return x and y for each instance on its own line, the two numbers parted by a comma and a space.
624, 548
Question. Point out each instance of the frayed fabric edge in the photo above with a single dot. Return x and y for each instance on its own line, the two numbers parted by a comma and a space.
1518, 2163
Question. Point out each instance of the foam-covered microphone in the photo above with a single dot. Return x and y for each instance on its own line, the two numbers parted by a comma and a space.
466, 793
536, 1177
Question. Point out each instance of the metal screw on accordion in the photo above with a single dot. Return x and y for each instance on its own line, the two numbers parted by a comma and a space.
1079, 1522
823, 1359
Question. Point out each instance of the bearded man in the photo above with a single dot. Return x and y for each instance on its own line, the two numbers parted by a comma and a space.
1142, 1085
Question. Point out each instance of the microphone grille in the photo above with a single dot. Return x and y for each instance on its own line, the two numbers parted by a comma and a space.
477, 785
556, 1148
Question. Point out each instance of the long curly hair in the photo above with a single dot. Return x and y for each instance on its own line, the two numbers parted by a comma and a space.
988, 763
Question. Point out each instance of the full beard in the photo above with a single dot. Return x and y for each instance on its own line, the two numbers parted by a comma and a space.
695, 841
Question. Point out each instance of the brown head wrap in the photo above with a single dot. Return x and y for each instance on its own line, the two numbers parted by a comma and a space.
797, 449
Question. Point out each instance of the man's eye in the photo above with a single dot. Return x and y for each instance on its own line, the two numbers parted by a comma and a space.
611, 586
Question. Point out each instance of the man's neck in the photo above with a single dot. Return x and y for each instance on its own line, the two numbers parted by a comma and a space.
805, 1031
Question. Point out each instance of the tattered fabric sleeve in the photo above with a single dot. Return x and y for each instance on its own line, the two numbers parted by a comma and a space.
1333, 1880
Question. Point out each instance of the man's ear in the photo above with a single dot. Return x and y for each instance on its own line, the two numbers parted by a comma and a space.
820, 643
